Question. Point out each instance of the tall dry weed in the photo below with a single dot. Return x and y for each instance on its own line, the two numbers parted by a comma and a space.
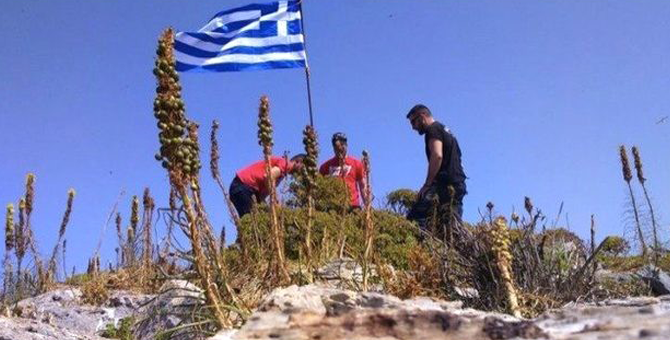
265, 140
216, 175
310, 172
179, 155
640, 177
147, 217
52, 266
627, 176
9, 245
369, 223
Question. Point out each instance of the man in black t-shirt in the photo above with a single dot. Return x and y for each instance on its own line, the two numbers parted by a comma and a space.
444, 167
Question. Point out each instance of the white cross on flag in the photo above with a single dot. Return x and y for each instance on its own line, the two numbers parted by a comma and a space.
252, 37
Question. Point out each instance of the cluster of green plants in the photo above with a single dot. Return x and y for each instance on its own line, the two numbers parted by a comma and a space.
121, 331
336, 230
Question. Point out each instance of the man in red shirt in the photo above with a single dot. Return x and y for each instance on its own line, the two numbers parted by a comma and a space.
250, 183
348, 168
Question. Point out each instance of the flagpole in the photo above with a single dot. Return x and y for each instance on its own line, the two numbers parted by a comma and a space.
307, 77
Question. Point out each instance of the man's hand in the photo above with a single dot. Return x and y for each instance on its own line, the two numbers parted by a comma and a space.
422, 191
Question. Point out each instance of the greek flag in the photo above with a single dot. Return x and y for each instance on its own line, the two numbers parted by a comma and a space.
252, 37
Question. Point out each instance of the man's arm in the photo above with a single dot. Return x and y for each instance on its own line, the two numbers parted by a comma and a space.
275, 172
434, 163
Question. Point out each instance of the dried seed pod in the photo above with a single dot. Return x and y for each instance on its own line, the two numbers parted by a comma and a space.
264, 124
625, 166
310, 169
9, 228
169, 110
30, 193
528, 205
638, 164
134, 212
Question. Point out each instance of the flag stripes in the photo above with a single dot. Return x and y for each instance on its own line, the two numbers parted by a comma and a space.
252, 37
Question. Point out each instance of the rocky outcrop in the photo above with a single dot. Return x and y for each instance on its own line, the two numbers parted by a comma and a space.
60, 314
325, 313
172, 307
632, 318
658, 280
345, 273
314, 312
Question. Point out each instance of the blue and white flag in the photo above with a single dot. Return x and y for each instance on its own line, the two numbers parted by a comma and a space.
252, 37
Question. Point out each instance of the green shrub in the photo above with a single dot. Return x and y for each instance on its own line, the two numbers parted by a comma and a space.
123, 331
615, 246
330, 194
621, 263
394, 234
558, 236
401, 201
563, 248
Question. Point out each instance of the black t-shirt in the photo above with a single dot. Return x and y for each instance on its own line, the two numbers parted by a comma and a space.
451, 170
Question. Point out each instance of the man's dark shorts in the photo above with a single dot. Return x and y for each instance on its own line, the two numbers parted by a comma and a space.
243, 196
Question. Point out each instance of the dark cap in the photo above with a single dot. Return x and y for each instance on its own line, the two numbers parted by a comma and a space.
339, 136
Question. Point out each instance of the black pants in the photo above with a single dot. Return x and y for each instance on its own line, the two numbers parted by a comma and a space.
243, 196
437, 193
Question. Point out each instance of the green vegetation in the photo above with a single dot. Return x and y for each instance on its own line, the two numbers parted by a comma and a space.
122, 331
333, 232
401, 200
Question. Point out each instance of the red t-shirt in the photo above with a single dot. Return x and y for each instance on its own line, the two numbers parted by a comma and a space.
254, 175
353, 172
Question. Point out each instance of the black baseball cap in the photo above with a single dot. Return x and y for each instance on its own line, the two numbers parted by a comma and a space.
339, 136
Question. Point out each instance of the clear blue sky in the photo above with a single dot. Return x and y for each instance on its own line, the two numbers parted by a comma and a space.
538, 93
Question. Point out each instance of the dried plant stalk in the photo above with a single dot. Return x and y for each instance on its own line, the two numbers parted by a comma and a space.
51, 271
369, 224
179, 155
643, 180
147, 245
9, 245
501, 249
64, 263
265, 140
310, 171
216, 174
20, 237
131, 238
593, 245
9, 229
28, 231
122, 242
627, 176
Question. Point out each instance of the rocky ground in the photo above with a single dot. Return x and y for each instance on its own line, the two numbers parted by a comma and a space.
322, 312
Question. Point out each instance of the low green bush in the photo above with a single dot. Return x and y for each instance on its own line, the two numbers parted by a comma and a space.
394, 235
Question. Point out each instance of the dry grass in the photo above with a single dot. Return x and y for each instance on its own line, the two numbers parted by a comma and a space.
94, 291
